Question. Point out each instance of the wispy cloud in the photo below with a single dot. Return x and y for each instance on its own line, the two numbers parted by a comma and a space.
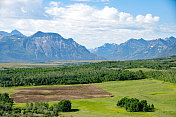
21, 9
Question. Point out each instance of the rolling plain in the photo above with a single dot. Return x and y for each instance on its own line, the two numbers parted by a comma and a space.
161, 94
100, 96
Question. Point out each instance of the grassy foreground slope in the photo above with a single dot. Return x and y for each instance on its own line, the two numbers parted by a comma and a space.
159, 93
162, 95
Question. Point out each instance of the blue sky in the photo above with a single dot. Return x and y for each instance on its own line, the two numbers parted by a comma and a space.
91, 23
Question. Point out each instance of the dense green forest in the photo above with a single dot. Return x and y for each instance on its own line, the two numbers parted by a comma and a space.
84, 74
163, 69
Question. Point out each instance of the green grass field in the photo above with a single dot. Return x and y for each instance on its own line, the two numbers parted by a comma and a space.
161, 94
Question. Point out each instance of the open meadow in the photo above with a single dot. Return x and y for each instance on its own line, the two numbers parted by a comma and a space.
159, 93
50, 64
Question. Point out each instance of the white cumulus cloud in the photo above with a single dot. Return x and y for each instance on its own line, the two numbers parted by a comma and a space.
87, 25
85, 12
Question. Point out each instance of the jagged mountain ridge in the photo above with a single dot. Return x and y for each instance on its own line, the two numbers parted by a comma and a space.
14, 32
106, 50
169, 51
41, 47
139, 49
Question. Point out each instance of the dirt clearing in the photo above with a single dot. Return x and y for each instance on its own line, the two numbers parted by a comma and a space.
45, 94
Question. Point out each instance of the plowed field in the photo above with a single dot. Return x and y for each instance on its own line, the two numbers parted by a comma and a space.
45, 94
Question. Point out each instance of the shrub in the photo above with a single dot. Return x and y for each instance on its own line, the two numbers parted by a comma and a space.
134, 105
64, 106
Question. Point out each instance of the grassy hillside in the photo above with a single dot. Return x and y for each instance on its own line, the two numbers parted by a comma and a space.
161, 94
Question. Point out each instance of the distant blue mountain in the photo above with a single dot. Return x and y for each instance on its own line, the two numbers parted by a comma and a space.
105, 50
39, 47
137, 49
169, 51
4, 33
14, 32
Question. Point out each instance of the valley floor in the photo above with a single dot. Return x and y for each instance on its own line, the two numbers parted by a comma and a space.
159, 93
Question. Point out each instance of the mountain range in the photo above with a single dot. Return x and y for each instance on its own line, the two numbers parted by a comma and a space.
138, 49
41, 47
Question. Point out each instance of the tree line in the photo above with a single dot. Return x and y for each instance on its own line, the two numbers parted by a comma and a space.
165, 75
90, 73
65, 75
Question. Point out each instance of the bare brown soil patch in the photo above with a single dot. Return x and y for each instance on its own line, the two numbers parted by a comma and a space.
45, 94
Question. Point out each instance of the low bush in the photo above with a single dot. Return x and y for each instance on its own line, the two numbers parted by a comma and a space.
64, 106
134, 105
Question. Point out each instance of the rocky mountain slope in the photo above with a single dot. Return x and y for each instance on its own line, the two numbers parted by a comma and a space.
15, 47
169, 51
139, 49
106, 50
40, 47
